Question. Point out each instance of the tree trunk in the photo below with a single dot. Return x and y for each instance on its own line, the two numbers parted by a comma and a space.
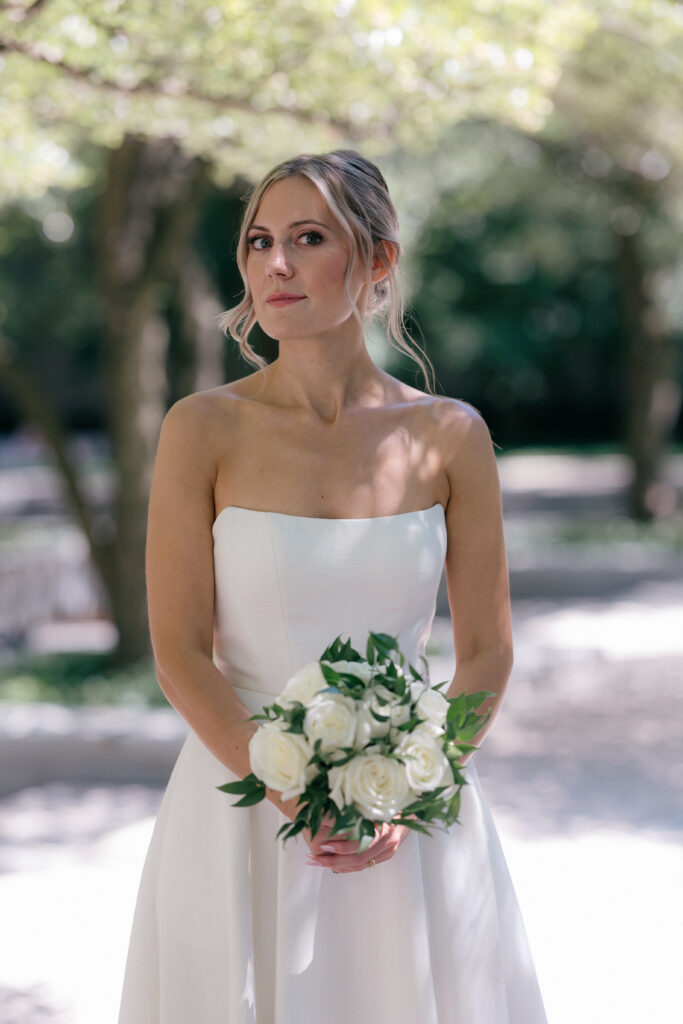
34, 406
149, 209
651, 393
198, 348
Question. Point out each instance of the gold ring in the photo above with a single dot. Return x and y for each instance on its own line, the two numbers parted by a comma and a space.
372, 862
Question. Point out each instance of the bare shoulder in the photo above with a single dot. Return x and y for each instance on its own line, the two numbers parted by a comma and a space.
460, 426
452, 424
456, 428
466, 452
202, 409
212, 415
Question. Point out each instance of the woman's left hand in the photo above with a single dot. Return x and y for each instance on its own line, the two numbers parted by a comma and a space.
386, 842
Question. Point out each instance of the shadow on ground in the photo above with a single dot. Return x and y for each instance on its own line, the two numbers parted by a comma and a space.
591, 744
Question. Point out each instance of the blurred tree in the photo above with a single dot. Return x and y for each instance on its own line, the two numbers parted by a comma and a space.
151, 86
520, 286
618, 121
513, 288
149, 206
611, 151
190, 93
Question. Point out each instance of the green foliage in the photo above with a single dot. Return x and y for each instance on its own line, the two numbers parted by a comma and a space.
340, 651
77, 679
515, 289
547, 130
245, 85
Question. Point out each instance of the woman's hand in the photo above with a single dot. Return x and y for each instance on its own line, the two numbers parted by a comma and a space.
344, 855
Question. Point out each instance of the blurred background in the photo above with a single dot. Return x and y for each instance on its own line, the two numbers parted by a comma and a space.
534, 154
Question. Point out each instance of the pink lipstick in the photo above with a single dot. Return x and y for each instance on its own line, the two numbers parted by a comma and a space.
284, 298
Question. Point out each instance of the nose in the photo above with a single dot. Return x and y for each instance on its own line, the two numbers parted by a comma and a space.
277, 264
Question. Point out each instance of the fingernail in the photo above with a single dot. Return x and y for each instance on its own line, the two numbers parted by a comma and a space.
329, 849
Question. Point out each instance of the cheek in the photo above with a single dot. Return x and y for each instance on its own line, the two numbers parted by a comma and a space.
332, 271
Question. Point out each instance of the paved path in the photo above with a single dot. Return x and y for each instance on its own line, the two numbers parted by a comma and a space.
600, 907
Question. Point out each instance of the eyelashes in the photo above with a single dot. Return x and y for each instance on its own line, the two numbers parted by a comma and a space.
254, 239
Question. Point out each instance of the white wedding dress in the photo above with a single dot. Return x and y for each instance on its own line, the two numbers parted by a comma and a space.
233, 927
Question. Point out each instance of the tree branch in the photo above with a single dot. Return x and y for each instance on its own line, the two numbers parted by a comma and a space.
174, 87
19, 13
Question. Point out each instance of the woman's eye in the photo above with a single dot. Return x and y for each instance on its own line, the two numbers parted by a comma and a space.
261, 242
255, 239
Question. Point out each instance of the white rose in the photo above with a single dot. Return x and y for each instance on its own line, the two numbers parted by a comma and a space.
368, 728
303, 685
428, 767
331, 718
380, 690
400, 713
376, 785
280, 759
432, 706
431, 728
362, 669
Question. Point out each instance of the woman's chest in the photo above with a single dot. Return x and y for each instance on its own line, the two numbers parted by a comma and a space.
364, 467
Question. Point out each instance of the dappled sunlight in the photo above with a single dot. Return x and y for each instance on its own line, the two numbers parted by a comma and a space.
645, 624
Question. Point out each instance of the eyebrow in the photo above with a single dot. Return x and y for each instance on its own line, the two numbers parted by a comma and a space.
294, 224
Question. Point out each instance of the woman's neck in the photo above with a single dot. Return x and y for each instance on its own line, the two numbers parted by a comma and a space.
323, 382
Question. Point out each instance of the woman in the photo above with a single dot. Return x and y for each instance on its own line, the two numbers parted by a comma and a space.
317, 496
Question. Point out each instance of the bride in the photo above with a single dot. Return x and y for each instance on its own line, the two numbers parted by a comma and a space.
319, 495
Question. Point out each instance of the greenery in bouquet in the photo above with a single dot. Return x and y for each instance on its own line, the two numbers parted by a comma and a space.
363, 740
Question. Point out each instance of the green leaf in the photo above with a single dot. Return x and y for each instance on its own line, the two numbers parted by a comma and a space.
410, 823
251, 798
331, 674
297, 827
243, 786
410, 724
384, 643
248, 780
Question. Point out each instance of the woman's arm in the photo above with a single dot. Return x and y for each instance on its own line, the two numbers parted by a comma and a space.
476, 562
180, 587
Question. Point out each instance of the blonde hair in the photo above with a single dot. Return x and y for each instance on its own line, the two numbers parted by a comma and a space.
357, 196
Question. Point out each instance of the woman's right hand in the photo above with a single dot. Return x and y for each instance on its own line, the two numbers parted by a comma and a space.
342, 845
290, 809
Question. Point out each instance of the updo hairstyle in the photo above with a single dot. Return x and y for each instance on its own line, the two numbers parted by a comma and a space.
358, 198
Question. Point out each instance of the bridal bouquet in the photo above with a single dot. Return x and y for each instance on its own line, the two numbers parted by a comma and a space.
363, 741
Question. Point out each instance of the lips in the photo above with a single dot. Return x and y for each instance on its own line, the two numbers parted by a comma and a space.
284, 299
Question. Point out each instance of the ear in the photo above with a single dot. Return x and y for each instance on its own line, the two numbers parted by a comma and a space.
390, 252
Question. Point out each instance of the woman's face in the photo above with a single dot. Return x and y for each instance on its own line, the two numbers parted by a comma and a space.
296, 248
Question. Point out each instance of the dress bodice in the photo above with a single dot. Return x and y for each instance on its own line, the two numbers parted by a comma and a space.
286, 585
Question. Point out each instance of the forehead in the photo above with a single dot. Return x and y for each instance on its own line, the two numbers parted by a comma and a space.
291, 199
